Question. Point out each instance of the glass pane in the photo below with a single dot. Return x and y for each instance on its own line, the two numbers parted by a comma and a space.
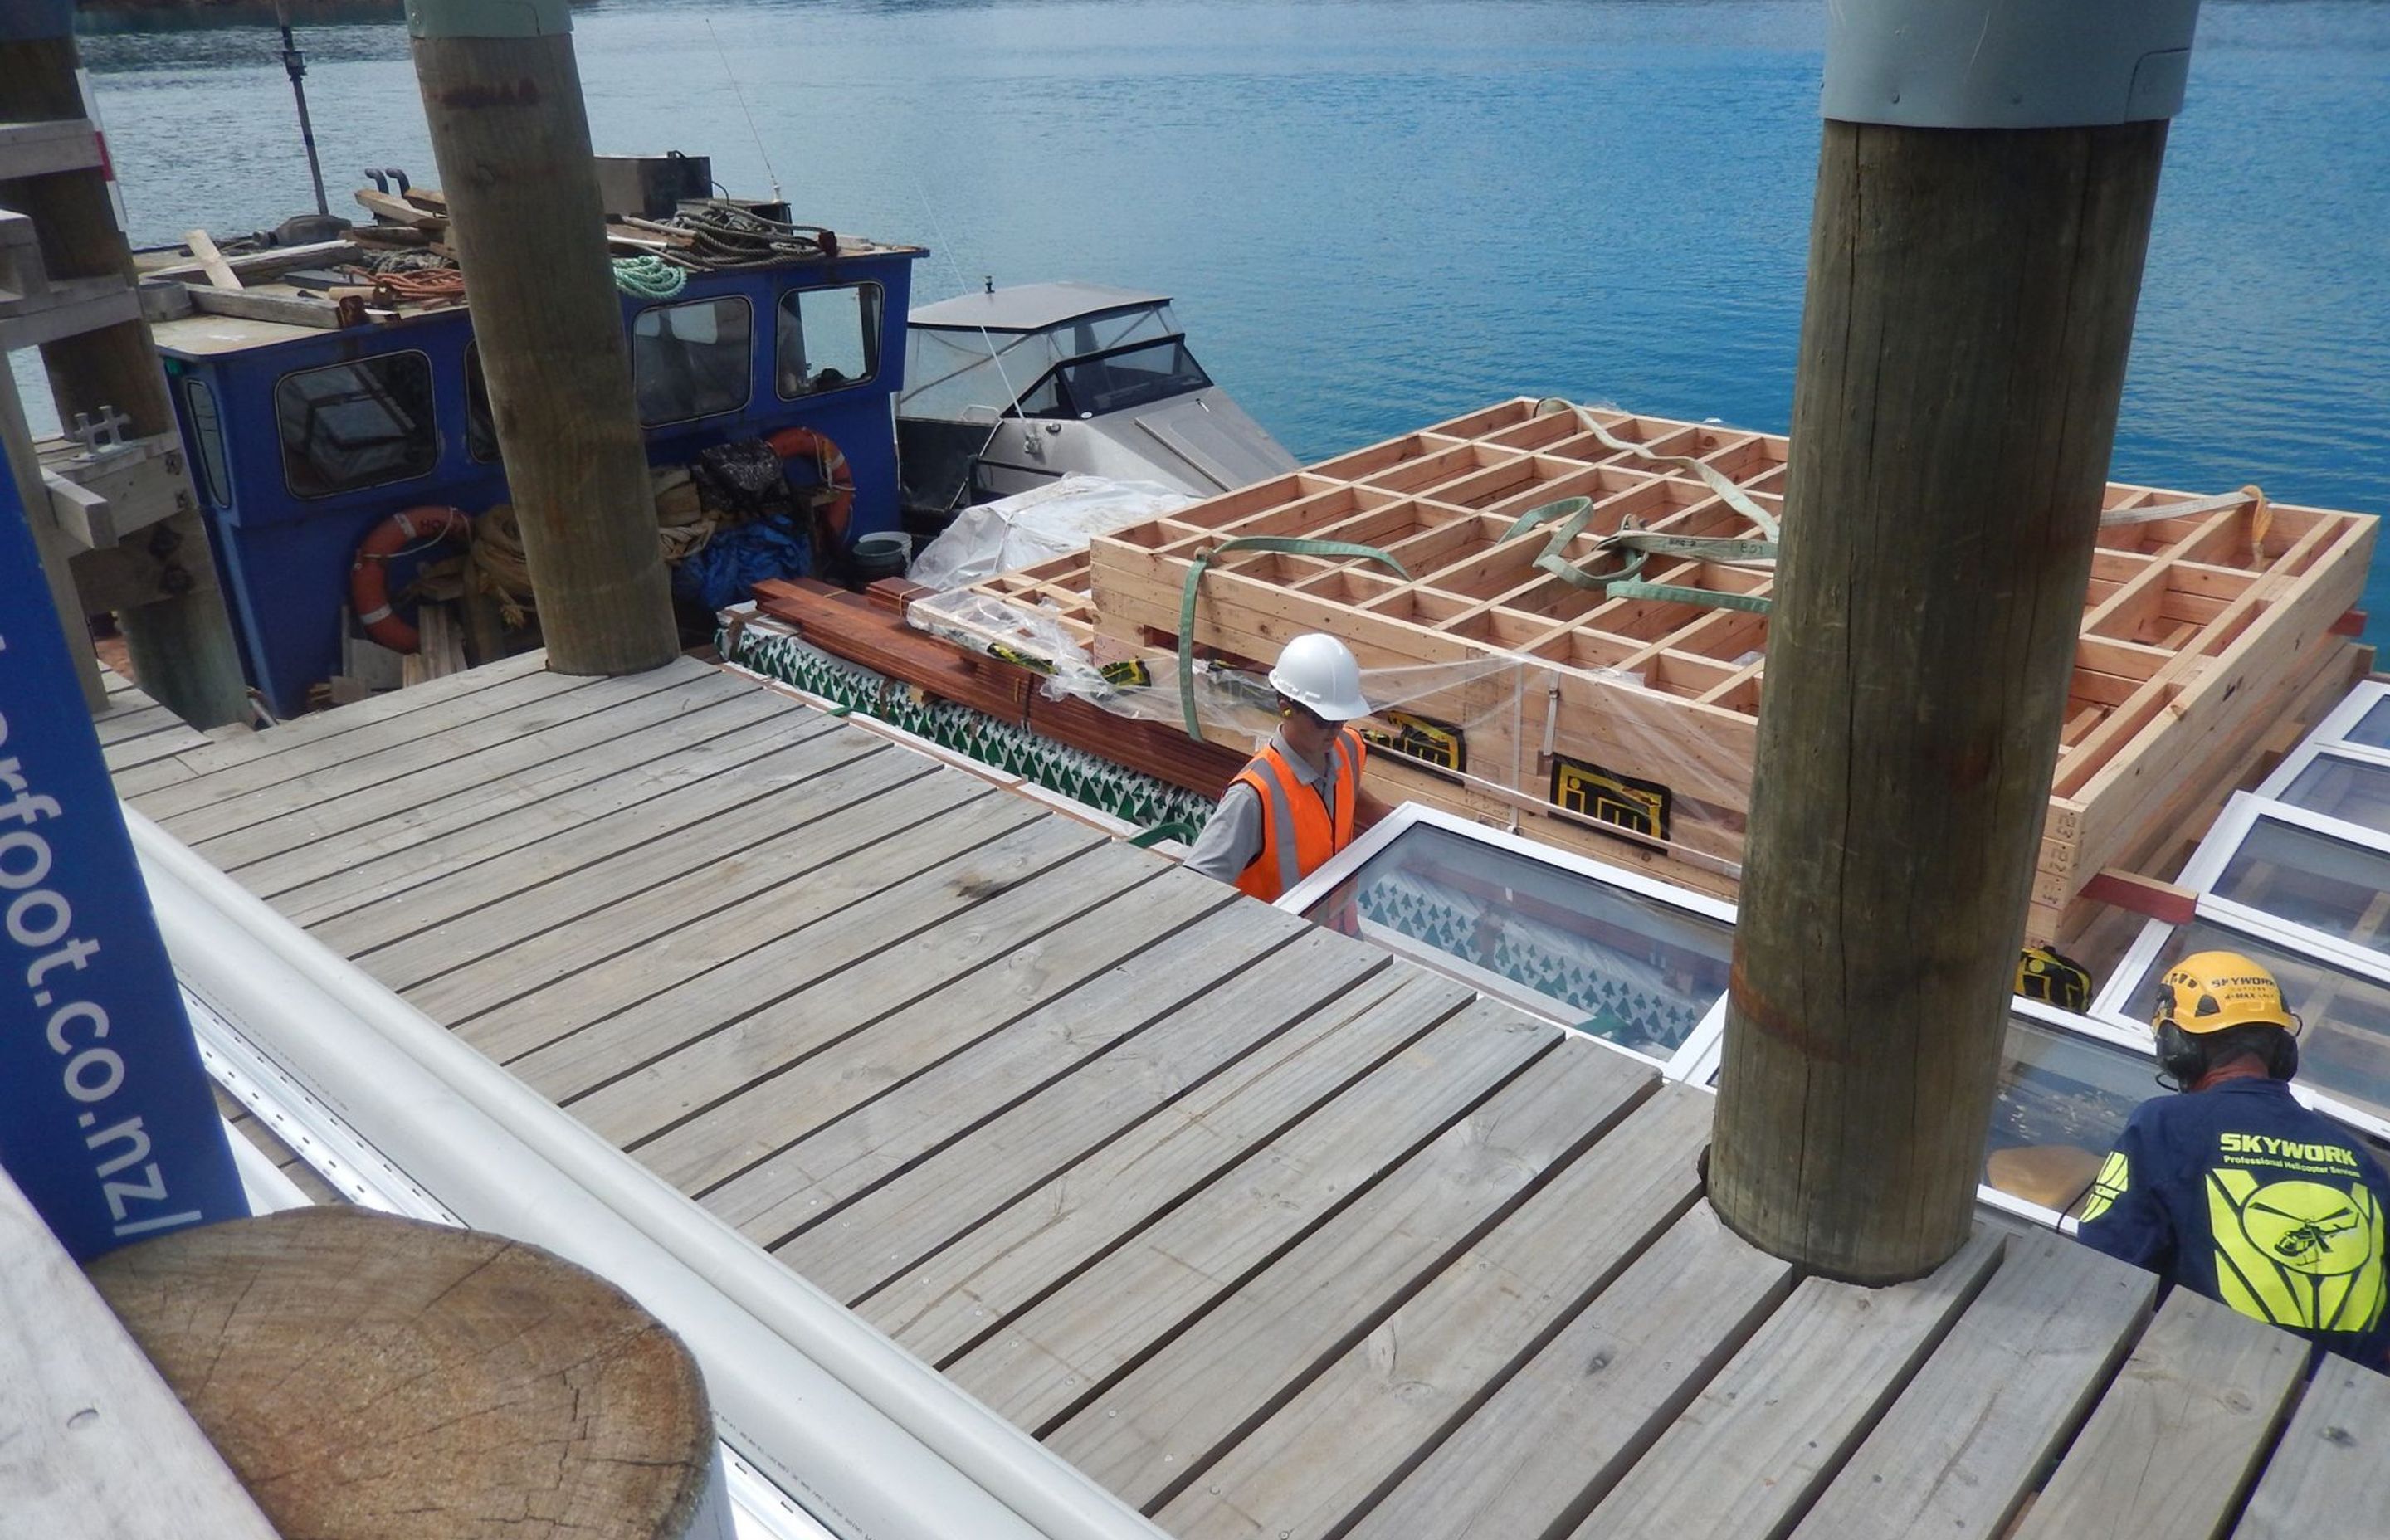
2062, 1101
356, 425
2344, 1040
2312, 879
1137, 377
2373, 729
691, 360
2343, 789
207, 431
830, 338
1632, 970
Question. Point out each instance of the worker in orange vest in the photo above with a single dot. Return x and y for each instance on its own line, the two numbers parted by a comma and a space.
1298, 801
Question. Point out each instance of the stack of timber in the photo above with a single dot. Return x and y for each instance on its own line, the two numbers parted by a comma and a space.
868, 629
1627, 726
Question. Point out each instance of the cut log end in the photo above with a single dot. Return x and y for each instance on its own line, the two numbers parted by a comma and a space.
366, 1376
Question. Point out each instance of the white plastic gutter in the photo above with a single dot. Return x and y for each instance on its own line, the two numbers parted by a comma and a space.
876, 1444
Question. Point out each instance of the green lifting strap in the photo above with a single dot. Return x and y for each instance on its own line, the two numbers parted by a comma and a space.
1633, 546
1283, 545
1174, 829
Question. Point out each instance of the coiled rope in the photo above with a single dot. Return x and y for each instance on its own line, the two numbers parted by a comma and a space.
649, 277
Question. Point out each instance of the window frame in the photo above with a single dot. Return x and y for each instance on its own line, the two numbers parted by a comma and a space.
1057, 374
1681, 1061
746, 375
432, 400
211, 460
875, 340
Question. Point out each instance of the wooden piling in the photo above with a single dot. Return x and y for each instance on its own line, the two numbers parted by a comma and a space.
502, 95
161, 584
1962, 354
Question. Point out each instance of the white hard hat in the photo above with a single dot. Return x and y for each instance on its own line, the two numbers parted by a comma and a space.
1317, 672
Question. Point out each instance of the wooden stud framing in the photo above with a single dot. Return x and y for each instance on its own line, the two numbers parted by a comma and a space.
2195, 630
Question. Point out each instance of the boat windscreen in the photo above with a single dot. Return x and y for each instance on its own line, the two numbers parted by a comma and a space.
1118, 381
958, 374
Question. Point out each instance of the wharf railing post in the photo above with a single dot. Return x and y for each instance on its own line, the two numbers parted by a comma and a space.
1984, 201
161, 584
502, 94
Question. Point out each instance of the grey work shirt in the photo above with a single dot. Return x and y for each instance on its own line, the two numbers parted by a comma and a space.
1233, 838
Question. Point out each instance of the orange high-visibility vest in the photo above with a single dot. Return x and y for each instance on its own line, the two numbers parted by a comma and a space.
1299, 833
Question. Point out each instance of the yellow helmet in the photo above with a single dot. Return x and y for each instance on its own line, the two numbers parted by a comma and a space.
2211, 991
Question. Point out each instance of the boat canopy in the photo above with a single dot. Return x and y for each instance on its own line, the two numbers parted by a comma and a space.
974, 356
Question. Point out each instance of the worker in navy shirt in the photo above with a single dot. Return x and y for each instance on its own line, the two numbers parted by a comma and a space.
2235, 1189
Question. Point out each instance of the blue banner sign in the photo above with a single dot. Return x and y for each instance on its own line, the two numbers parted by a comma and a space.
106, 1119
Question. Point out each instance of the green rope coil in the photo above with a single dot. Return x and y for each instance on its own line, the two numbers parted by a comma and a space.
649, 277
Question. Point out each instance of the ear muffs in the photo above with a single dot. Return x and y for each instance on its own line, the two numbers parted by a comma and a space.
2182, 1058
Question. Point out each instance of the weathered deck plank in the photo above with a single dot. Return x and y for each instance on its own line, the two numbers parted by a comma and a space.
802, 1061
1333, 1447
1049, 1360
608, 860
2331, 1475
690, 976
2173, 1446
1782, 1434
224, 753
1595, 1396
1176, 1412
392, 740
1958, 1451
610, 715
942, 1148
124, 724
313, 887
498, 803
576, 950
1048, 1234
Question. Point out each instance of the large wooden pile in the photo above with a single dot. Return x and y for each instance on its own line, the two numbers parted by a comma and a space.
2204, 636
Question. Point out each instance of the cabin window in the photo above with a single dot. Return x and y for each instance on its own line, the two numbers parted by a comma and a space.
691, 360
480, 429
356, 425
829, 340
1116, 381
207, 432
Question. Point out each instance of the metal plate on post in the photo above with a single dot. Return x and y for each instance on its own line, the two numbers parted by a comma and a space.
2006, 63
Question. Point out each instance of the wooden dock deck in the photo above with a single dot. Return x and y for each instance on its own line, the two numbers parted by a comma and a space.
1271, 1234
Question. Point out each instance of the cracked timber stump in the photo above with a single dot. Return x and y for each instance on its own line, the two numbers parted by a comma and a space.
1962, 357
369, 1378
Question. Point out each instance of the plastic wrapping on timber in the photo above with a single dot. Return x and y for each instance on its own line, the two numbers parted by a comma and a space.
1036, 526
1495, 719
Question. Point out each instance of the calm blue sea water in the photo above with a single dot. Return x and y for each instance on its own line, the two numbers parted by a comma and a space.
1380, 213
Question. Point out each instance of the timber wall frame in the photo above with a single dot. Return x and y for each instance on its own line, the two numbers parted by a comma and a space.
2201, 635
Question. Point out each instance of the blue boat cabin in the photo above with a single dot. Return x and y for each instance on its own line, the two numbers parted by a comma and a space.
302, 438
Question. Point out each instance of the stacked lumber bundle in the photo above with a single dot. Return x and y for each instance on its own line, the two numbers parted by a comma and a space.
1627, 725
868, 629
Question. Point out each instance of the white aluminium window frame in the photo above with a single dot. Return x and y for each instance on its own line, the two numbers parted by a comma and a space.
1700, 1045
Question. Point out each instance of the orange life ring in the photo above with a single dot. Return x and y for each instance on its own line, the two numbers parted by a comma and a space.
370, 573
825, 459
